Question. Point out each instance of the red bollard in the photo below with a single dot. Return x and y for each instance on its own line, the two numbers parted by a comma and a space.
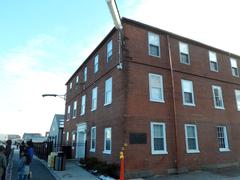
121, 166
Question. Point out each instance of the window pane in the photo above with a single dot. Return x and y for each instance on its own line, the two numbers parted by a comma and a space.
233, 63
184, 58
108, 145
212, 56
183, 48
188, 97
237, 94
192, 144
158, 131
154, 50
158, 144
153, 39
190, 131
213, 66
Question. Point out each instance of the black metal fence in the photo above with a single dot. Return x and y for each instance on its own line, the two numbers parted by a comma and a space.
43, 149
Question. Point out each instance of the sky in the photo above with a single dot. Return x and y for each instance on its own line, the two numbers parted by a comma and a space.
42, 43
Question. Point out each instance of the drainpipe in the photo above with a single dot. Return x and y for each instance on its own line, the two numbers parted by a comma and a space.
174, 103
120, 43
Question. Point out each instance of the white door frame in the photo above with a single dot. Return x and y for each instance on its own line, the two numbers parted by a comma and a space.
81, 128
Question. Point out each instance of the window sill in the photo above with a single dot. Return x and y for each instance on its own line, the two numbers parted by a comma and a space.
221, 108
157, 101
187, 104
154, 55
224, 150
159, 152
82, 114
193, 151
214, 70
106, 104
93, 109
106, 152
185, 63
92, 150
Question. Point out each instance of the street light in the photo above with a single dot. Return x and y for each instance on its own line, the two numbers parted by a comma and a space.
112, 6
55, 95
61, 123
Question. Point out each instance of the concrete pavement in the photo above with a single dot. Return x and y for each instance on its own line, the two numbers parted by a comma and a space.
39, 171
72, 172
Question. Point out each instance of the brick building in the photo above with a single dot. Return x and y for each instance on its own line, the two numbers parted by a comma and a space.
175, 102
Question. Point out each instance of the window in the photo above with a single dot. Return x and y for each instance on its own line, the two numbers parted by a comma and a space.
93, 139
234, 67
70, 86
94, 99
187, 93
156, 88
222, 138
74, 109
153, 44
107, 140
237, 95
83, 105
85, 74
77, 80
217, 97
184, 53
213, 61
191, 138
96, 64
73, 138
109, 51
108, 91
67, 137
158, 138
68, 112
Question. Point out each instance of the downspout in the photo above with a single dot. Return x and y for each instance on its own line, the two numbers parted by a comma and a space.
174, 103
120, 43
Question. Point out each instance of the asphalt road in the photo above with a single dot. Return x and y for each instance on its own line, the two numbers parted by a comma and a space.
39, 171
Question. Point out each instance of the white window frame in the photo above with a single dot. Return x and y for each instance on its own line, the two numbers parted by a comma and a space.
184, 48
108, 91
183, 81
213, 59
70, 85
109, 51
77, 80
85, 74
94, 98
237, 96
157, 44
105, 151
74, 114
234, 66
164, 151
151, 86
220, 96
67, 137
69, 113
96, 60
83, 105
196, 138
93, 138
225, 138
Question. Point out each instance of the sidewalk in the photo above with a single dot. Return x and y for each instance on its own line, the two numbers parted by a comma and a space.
72, 172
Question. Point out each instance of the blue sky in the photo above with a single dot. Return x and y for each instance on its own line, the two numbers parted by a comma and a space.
42, 43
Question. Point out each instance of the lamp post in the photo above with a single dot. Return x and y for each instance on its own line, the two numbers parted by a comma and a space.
61, 123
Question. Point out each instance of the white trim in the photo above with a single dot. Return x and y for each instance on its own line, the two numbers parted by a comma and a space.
196, 139
150, 75
212, 56
181, 44
226, 149
191, 91
159, 43
94, 90
108, 82
107, 151
220, 95
83, 105
153, 151
93, 149
237, 91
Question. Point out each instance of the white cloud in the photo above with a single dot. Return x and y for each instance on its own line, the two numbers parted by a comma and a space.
211, 22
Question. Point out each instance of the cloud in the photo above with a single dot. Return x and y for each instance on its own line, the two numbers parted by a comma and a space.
210, 22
